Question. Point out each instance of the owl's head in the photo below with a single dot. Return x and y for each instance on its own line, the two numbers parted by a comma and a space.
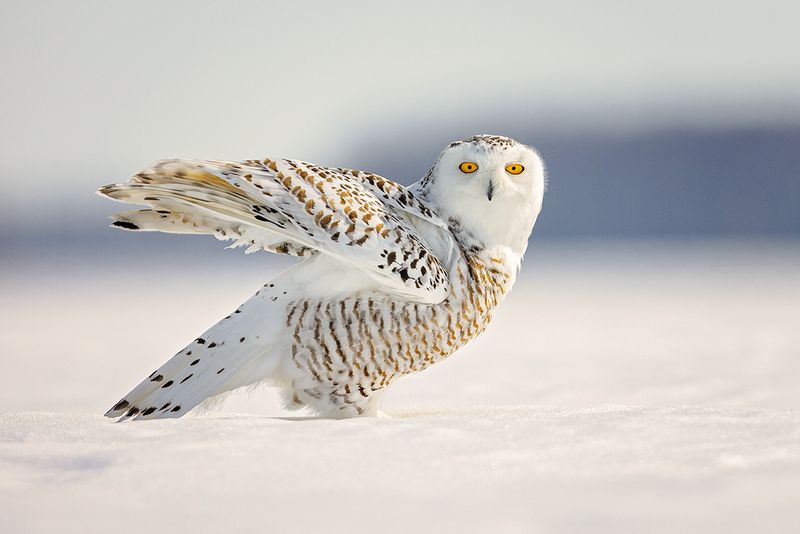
492, 185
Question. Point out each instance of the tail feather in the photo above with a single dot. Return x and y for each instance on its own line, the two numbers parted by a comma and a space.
212, 363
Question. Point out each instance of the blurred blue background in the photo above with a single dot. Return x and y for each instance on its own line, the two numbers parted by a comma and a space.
678, 119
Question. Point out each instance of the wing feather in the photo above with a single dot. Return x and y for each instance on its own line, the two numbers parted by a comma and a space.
362, 219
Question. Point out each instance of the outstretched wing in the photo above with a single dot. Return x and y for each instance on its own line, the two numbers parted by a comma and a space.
292, 207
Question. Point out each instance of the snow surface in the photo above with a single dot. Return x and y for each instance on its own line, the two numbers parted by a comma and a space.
623, 387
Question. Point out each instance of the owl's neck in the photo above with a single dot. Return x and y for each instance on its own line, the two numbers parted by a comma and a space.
477, 222
475, 245
491, 265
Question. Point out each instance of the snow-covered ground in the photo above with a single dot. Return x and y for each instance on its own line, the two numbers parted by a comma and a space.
623, 387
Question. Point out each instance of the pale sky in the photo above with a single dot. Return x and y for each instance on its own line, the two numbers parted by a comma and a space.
92, 91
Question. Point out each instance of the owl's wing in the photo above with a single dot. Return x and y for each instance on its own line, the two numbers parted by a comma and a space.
292, 207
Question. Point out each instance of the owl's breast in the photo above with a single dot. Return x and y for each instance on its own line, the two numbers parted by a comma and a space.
345, 349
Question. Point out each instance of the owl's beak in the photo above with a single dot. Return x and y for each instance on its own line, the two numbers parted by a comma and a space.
490, 191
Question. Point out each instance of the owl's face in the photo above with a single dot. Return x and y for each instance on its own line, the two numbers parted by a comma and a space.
493, 185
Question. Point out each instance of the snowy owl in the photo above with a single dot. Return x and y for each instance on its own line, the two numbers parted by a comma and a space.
394, 278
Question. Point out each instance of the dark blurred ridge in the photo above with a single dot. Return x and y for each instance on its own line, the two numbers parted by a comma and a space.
733, 181
665, 183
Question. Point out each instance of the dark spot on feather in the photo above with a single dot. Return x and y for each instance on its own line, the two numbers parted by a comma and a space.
121, 405
158, 378
201, 341
218, 372
403, 274
168, 384
212, 345
148, 411
175, 409
125, 224
187, 378
241, 340
195, 362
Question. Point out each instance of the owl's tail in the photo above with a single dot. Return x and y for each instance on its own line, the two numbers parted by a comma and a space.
241, 349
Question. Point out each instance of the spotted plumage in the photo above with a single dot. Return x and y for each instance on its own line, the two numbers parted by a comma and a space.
393, 278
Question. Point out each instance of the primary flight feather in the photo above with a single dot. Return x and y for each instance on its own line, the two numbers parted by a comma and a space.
393, 278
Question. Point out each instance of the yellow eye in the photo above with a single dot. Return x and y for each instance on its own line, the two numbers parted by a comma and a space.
468, 167
514, 168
